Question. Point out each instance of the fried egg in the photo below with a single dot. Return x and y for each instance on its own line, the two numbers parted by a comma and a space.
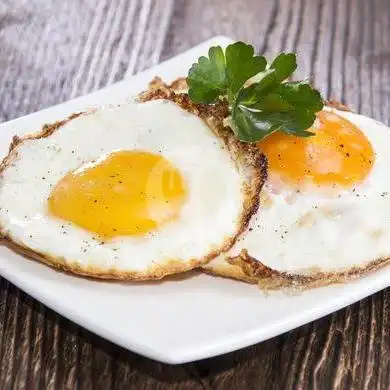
137, 191
325, 208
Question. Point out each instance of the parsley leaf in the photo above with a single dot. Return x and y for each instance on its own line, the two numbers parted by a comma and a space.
288, 107
207, 78
212, 77
251, 125
241, 65
281, 68
269, 104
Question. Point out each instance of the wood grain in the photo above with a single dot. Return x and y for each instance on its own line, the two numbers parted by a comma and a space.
52, 51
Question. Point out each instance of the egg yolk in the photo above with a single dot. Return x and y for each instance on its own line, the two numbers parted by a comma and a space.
124, 193
338, 154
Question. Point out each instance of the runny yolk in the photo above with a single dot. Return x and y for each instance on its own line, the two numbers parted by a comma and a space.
338, 154
125, 193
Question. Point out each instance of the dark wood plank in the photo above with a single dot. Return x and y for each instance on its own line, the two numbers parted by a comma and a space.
344, 46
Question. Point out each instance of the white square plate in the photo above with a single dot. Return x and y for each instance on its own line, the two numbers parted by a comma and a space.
178, 320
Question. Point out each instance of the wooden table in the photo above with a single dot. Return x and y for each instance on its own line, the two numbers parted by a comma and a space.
51, 51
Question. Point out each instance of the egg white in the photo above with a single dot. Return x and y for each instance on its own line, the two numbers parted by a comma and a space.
322, 232
210, 215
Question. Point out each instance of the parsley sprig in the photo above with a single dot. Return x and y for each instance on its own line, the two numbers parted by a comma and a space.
268, 104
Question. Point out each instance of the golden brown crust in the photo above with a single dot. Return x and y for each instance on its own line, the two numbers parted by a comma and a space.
179, 84
220, 267
214, 117
157, 271
246, 268
337, 105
